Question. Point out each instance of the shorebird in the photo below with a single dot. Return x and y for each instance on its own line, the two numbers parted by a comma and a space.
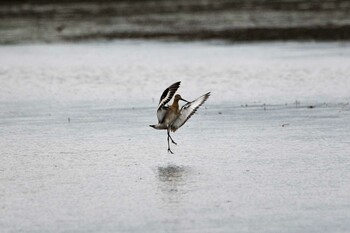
171, 117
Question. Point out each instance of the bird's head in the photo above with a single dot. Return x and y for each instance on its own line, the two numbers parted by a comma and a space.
178, 97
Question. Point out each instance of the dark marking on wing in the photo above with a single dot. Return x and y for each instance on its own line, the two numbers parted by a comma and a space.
168, 94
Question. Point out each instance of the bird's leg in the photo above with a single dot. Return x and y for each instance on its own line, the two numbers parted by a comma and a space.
171, 138
169, 144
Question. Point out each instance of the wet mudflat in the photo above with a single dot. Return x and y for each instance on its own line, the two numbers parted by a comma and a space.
268, 152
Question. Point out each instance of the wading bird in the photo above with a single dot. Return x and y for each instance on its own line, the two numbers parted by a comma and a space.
171, 117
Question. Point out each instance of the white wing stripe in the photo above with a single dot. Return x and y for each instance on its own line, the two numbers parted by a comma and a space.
188, 110
168, 94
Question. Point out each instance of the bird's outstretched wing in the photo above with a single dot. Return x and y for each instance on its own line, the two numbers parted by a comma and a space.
168, 94
161, 113
187, 111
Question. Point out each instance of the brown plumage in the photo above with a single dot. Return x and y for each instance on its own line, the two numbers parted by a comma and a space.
172, 117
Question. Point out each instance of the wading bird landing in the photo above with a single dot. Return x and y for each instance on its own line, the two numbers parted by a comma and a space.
171, 117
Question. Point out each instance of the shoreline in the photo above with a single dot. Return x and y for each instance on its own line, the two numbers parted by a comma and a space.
252, 20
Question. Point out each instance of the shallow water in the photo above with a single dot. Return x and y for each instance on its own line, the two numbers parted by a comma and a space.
125, 73
76, 158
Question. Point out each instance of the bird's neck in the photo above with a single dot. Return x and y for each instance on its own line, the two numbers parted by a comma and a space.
175, 105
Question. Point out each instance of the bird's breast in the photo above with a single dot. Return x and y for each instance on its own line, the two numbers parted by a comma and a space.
171, 116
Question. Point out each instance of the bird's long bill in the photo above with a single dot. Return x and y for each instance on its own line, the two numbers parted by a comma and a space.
184, 100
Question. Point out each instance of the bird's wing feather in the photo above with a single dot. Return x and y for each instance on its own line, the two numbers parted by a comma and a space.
167, 95
161, 113
187, 111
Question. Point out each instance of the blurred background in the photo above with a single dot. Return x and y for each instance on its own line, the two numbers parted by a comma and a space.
232, 20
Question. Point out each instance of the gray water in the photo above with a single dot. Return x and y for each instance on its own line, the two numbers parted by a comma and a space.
268, 151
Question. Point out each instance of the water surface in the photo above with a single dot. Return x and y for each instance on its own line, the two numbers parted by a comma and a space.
268, 152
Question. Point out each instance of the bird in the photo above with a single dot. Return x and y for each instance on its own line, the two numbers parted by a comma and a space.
171, 118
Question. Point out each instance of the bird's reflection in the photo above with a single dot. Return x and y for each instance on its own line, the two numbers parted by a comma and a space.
171, 173
172, 181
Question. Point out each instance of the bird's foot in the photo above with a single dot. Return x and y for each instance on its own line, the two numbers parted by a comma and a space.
169, 151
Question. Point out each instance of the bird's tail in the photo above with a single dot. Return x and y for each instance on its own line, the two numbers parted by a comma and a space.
159, 126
